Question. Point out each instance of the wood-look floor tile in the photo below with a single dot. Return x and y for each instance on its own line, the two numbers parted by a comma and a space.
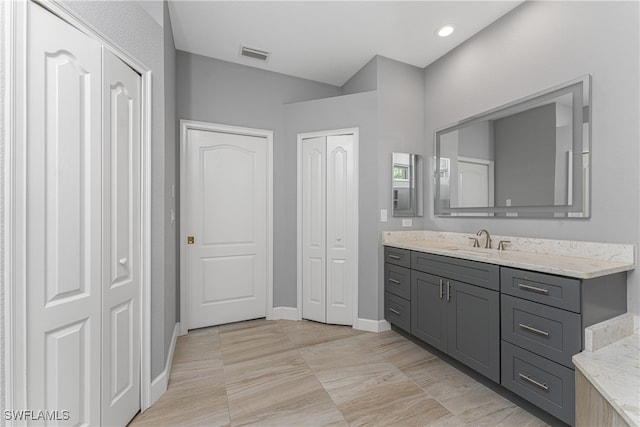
307, 333
202, 404
505, 417
253, 343
287, 373
475, 401
281, 391
387, 399
397, 349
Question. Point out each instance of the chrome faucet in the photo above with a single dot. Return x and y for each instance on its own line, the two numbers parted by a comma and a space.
487, 243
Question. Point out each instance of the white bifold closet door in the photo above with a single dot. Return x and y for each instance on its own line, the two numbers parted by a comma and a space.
121, 237
82, 217
328, 229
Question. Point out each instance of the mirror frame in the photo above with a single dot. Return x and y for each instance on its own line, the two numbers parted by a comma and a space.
415, 179
581, 144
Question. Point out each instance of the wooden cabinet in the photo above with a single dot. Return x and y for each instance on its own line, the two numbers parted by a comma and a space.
458, 318
457, 311
517, 327
543, 317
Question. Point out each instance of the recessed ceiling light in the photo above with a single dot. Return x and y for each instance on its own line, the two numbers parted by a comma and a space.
445, 30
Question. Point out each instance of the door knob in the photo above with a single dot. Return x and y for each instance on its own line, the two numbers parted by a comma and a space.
123, 261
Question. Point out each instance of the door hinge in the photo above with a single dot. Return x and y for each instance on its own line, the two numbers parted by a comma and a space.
190, 240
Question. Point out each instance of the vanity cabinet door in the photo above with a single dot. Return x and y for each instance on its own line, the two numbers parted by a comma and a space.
428, 315
474, 327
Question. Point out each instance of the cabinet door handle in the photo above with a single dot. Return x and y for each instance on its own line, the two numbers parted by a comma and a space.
394, 281
441, 288
536, 330
448, 291
394, 311
533, 289
543, 386
394, 256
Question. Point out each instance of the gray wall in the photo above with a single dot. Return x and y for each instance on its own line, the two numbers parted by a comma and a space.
216, 91
364, 80
525, 157
170, 159
134, 30
400, 119
513, 58
357, 110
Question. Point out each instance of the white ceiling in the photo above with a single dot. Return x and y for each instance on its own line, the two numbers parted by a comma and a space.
328, 41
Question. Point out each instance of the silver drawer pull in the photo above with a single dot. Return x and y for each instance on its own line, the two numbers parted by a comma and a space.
448, 291
532, 329
397, 282
441, 289
394, 311
533, 288
532, 381
394, 257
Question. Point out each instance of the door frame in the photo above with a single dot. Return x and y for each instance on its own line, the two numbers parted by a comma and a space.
12, 146
185, 126
356, 138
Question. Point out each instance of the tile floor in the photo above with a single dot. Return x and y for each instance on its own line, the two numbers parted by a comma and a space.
284, 373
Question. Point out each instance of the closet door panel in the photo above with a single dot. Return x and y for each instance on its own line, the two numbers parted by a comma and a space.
63, 211
340, 225
121, 238
314, 229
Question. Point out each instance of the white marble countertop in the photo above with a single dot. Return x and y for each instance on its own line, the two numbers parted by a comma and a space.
595, 259
614, 370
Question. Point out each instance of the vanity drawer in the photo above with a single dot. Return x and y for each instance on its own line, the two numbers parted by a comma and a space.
397, 256
547, 331
397, 280
544, 383
472, 272
561, 292
397, 311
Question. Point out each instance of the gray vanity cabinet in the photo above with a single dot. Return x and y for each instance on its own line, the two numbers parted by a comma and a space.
397, 287
459, 318
517, 327
429, 310
543, 320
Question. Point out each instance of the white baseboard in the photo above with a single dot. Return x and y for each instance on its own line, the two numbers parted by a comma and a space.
372, 325
160, 383
285, 313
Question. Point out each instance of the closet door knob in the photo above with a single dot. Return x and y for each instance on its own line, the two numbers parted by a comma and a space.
123, 261
339, 238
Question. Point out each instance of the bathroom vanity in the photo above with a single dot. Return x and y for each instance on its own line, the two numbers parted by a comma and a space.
515, 316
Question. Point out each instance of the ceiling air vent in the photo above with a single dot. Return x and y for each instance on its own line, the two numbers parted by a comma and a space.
252, 53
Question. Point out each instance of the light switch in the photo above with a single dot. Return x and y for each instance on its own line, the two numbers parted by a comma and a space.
383, 215
407, 222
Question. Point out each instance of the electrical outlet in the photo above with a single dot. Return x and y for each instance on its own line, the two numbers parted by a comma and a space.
408, 222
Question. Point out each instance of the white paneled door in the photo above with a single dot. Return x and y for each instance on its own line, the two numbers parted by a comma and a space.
63, 219
121, 238
328, 226
227, 223
83, 227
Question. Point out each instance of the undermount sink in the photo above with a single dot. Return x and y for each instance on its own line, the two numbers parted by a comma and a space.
473, 251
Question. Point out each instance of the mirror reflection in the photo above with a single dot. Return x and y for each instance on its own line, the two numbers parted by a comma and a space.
405, 178
528, 158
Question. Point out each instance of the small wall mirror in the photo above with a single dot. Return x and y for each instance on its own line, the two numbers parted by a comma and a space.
529, 158
405, 192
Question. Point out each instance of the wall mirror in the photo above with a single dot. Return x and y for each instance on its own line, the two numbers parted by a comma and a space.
529, 158
406, 178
